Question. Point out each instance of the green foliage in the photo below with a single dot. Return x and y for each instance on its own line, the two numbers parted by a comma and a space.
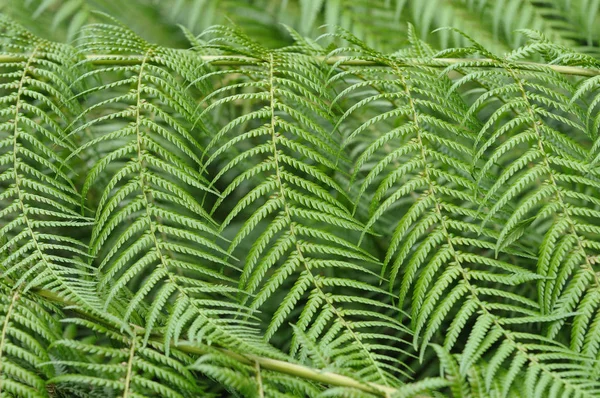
493, 23
266, 214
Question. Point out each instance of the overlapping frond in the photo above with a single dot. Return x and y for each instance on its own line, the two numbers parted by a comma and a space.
298, 232
547, 179
26, 332
38, 217
434, 197
414, 173
117, 364
154, 243
544, 184
326, 219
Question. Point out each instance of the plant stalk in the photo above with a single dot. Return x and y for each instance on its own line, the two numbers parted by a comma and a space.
274, 365
238, 60
293, 369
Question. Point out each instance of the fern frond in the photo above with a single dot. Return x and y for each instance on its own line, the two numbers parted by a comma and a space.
27, 331
120, 364
38, 197
307, 228
296, 217
551, 181
149, 214
422, 180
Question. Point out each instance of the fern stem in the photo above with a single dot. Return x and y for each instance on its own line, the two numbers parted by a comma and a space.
238, 60
261, 393
275, 365
233, 60
129, 373
293, 369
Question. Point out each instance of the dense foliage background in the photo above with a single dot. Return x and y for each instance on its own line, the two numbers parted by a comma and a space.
380, 23
299, 198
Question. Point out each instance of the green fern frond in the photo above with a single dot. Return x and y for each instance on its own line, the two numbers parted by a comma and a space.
356, 215
123, 365
149, 214
551, 182
38, 197
27, 331
307, 227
